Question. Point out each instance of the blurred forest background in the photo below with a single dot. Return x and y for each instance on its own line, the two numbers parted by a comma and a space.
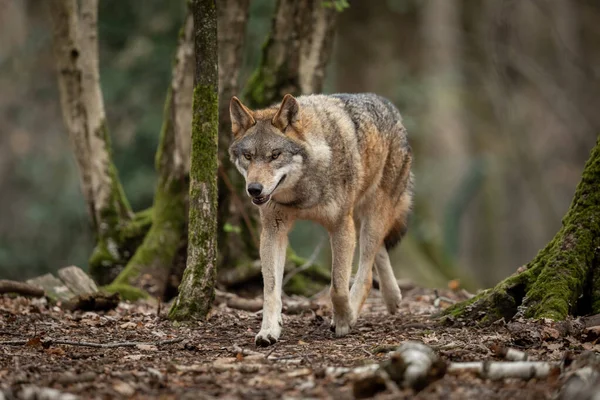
500, 98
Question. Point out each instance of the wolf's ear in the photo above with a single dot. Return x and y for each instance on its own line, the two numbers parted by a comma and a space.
288, 113
241, 116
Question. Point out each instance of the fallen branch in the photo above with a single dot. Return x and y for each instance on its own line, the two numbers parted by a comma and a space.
36, 392
509, 354
97, 301
235, 350
496, 370
50, 342
239, 303
291, 305
415, 365
21, 288
412, 365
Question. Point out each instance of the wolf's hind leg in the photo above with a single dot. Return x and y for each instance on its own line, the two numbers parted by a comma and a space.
387, 281
343, 240
371, 238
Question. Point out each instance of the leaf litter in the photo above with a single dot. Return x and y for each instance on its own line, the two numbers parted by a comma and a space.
155, 358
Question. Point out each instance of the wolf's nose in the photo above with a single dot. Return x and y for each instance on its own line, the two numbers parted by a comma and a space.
255, 189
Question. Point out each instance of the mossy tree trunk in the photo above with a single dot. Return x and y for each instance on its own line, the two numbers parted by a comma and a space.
76, 55
564, 278
148, 270
196, 292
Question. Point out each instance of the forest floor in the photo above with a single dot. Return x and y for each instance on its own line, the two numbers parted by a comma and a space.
217, 358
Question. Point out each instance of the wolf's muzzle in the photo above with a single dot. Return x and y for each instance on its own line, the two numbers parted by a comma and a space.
255, 189
258, 199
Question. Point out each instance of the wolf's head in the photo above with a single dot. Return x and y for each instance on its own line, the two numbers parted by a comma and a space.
268, 147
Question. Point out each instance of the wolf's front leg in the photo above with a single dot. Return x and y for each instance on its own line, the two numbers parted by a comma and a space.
343, 241
273, 246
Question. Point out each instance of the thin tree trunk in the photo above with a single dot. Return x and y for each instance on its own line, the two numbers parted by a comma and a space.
76, 54
149, 268
237, 237
196, 291
563, 279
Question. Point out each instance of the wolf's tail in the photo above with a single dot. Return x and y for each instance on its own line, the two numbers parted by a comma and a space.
396, 233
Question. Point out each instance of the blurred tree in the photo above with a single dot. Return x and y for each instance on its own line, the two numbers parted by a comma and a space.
76, 55
564, 278
295, 54
196, 292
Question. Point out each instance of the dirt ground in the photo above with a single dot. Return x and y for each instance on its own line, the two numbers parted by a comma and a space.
206, 359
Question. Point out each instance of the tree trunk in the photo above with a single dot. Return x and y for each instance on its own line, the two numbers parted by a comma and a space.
295, 54
118, 231
564, 278
196, 292
152, 262
237, 237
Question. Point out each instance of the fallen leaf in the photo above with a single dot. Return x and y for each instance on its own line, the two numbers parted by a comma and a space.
302, 342
123, 388
553, 346
454, 284
56, 351
550, 333
34, 342
133, 357
129, 325
239, 357
299, 372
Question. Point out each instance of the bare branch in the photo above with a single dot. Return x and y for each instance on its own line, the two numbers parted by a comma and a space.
22, 288
50, 342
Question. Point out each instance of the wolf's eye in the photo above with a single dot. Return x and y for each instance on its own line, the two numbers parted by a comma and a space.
275, 155
248, 156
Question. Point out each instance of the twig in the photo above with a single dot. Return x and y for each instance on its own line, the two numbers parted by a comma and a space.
367, 352
50, 342
309, 263
22, 288
272, 350
439, 299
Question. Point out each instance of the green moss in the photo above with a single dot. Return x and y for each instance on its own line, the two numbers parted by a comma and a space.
127, 292
557, 278
110, 255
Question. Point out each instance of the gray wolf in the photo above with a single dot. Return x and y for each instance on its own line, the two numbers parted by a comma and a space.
342, 161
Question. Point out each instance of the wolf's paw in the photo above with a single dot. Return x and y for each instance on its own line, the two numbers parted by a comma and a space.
342, 326
267, 337
392, 301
